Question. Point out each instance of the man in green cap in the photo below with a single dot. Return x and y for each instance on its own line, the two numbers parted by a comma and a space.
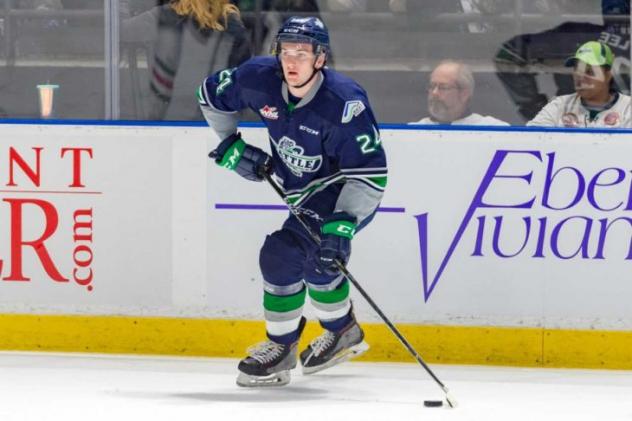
595, 102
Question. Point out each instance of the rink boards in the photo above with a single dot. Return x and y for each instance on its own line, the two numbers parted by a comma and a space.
490, 246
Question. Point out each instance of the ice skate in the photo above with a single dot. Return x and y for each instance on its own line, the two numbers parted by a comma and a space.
333, 348
268, 363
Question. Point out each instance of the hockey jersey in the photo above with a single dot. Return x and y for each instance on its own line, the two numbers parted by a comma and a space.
568, 111
329, 137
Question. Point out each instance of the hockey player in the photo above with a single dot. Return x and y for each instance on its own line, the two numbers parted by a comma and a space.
328, 158
595, 102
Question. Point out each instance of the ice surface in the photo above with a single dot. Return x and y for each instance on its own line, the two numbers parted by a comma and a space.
73, 387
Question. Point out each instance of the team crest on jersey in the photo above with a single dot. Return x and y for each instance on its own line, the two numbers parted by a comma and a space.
611, 119
570, 120
270, 113
294, 157
352, 109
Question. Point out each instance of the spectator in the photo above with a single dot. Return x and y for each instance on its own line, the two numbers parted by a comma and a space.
449, 94
595, 103
212, 28
544, 49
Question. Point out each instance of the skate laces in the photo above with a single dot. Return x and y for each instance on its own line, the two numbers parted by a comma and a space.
265, 351
323, 342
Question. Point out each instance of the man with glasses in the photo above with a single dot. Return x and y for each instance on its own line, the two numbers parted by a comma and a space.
449, 94
596, 102
328, 158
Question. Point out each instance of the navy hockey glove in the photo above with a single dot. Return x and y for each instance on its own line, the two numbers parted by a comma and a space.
336, 234
248, 161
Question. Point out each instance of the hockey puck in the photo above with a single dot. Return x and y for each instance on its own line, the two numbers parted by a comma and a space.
433, 404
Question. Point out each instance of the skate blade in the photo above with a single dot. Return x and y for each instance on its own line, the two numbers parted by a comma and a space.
347, 354
273, 380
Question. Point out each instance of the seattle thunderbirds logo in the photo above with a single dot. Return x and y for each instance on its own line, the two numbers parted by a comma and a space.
294, 158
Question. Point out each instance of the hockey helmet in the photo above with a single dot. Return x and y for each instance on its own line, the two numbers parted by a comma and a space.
309, 30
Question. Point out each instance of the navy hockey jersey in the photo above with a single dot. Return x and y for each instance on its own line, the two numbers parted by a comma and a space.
330, 136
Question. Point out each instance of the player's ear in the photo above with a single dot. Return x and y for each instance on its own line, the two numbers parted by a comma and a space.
320, 61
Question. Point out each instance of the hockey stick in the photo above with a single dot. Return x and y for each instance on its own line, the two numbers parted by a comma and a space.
343, 269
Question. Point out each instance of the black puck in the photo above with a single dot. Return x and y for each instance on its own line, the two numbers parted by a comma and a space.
433, 404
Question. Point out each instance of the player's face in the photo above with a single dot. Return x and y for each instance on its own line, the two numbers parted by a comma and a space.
591, 82
298, 61
447, 101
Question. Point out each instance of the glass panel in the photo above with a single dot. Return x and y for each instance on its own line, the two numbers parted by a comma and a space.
56, 45
515, 49
534, 69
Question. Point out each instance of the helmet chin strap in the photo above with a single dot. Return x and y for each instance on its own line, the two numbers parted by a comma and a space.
314, 72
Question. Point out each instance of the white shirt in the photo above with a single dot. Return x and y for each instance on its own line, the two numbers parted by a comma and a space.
470, 120
568, 111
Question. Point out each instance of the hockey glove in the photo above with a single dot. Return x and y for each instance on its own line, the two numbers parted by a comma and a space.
248, 161
336, 234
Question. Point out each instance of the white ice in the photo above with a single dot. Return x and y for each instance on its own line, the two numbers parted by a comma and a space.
83, 387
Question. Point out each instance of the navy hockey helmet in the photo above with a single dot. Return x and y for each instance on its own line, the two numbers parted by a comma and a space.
303, 29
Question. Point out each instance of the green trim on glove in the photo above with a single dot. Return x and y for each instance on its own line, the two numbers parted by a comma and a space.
233, 155
340, 228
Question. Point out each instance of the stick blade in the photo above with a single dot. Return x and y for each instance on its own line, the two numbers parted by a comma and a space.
452, 403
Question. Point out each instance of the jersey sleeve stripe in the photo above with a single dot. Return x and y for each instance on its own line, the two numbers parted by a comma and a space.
376, 183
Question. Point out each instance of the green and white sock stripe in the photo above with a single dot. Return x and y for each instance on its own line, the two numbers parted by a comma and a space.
283, 289
336, 295
283, 313
338, 280
282, 304
329, 312
233, 155
333, 304
340, 228
279, 324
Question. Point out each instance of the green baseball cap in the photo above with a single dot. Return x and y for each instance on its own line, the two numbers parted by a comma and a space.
594, 53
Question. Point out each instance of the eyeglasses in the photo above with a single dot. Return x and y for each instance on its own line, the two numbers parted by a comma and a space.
441, 87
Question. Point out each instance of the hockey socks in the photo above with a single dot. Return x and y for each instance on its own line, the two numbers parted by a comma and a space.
283, 314
331, 307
